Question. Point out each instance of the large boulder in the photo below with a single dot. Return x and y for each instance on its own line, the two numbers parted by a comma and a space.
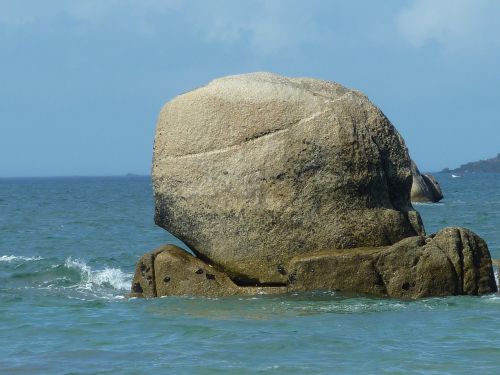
425, 188
253, 170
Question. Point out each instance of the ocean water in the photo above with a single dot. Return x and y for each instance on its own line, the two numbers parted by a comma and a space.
68, 247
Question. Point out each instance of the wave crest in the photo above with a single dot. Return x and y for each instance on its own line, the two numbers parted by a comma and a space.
90, 279
15, 258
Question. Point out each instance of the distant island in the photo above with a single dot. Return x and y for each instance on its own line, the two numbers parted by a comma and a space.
490, 165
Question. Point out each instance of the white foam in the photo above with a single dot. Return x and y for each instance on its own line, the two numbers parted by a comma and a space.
491, 298
14, 258
112, 277
428, 204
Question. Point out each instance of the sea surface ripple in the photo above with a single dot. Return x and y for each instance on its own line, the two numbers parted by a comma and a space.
68, 247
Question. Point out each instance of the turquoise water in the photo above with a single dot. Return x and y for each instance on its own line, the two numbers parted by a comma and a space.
68, 247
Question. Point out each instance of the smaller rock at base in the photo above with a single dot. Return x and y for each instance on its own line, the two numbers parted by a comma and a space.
470, 257
348, 270
171, 271
143, 284
455, 261
179, 273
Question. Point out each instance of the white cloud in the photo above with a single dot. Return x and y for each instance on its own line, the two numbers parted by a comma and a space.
270, 26
455, 24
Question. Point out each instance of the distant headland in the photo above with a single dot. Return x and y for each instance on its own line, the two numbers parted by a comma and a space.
489, 166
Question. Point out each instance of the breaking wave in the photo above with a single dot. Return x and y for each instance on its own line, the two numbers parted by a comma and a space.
73, 277
14, 258
108, 277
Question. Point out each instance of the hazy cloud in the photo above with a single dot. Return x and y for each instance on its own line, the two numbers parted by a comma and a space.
455, 24
21, 12
269, 26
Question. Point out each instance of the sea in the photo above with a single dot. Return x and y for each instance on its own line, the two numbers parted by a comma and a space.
68, 248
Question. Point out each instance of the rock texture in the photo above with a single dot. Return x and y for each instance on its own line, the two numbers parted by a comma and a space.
291, 184
251, 171
454, 261
171, 271
425, 187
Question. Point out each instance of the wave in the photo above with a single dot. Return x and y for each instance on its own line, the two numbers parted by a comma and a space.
113, 278
15, 258
72, 278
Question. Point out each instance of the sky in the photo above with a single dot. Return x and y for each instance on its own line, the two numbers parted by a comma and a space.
82, 81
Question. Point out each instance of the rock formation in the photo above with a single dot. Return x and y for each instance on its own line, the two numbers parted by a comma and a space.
291, 184
425, 187
454, 261
252, 170
171, 271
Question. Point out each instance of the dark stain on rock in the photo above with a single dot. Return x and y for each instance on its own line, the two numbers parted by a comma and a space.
281, 269
137, 288
280, 176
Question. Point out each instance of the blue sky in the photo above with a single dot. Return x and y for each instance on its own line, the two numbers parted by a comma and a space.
82, 82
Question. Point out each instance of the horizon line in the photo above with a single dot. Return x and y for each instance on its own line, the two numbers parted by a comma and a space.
80, 176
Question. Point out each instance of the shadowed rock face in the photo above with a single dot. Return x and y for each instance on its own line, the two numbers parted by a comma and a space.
454, 261
425, 187
251, 171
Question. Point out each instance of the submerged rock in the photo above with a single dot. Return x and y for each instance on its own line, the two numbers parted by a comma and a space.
454, 261
425, 187
253, 170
